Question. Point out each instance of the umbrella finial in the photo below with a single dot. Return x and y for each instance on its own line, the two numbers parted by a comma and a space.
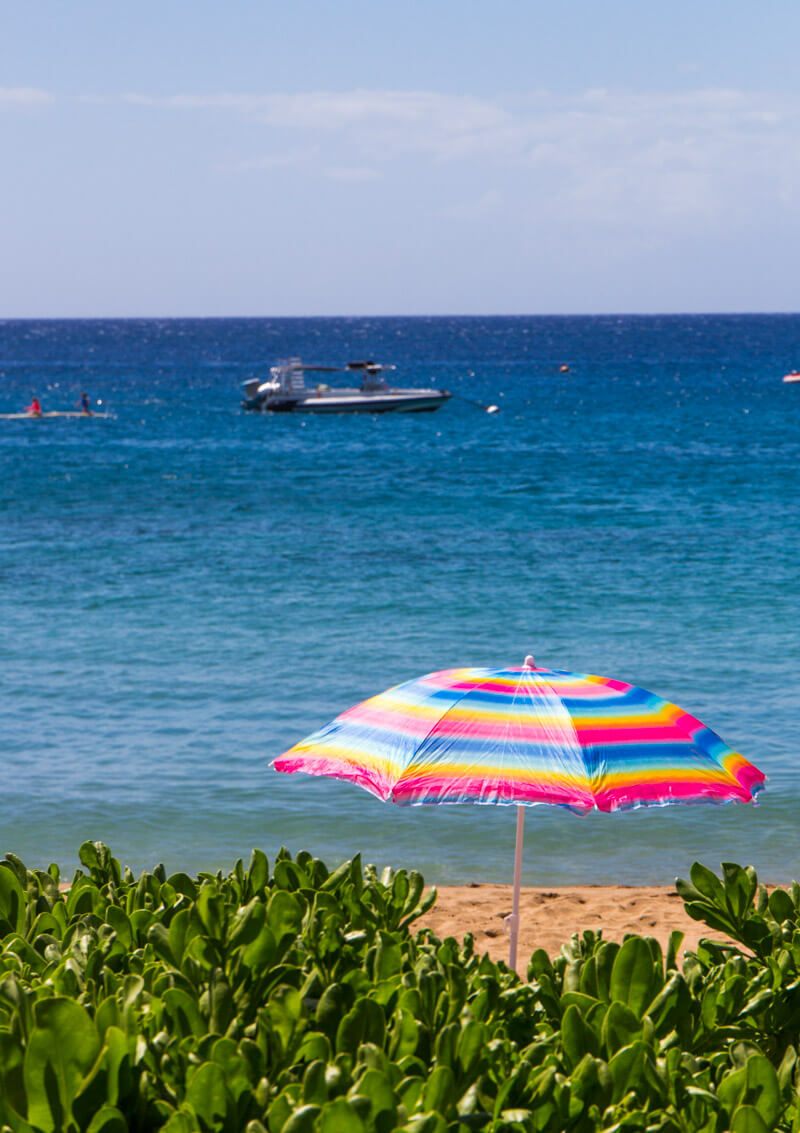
529, 662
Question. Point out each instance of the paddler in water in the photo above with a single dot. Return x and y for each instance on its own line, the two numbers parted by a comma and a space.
35, 408
86, 408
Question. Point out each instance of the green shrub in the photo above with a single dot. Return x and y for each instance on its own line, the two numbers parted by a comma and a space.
303, 1001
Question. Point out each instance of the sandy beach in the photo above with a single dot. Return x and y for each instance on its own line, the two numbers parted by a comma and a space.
549, 917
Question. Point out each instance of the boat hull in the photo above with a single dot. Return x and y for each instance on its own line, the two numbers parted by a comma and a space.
421, 401
377, 403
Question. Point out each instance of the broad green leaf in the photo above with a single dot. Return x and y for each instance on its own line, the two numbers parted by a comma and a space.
627, 1069
708, 884
439, 1092
781, 906
284, 1010
108, 1120
754, 1084
339, 1116
540, 964
620, 1028
117, 1060
177, 932
409, 1091
260, 954
314, 1045
584, 1077
400, 891
334, 880
404, 1034
704, 911
158, 937
376, 1086
675, 941
740, 888
332, 1007
446, 1044
12, 900
747, 1119
62, 1049
208, 1094
180, 1122
471, 1046
257, 872
280, 1111
288, 875
121, 925
246, 923
426, 1123
182, 883
605, 957
210, 907
635, 977
388, 957
12, 1086
184, 1012
315, 1087
302, 1120
577, 1039
670, 1001
284, 915
364, 1022
786, 1068
140, 921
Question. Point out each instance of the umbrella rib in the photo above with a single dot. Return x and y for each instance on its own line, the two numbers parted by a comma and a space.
435, 725
573, 736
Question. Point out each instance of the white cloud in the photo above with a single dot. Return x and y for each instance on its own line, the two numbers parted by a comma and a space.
286, 159
613, 155
350, 173
334, 110
489, 202
24, 96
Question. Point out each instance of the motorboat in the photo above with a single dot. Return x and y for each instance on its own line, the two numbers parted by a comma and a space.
286, 391
793, 377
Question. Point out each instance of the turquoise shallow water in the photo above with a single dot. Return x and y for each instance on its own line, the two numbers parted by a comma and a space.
188, 589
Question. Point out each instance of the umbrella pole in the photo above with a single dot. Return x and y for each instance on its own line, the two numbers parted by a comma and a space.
513, 920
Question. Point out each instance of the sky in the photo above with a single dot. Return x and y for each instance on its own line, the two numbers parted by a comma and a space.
256, 158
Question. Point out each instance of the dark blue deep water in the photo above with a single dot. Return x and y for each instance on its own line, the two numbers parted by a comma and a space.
187, 589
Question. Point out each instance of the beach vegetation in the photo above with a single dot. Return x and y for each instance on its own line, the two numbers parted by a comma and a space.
296, 999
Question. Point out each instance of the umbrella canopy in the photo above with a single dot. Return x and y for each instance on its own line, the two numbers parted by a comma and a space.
526, 736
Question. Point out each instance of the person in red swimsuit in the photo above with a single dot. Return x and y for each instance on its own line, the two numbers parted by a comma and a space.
34, 408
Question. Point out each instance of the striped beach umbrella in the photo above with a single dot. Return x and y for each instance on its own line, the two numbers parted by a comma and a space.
524, 736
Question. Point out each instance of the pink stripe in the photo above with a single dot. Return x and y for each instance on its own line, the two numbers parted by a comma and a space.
371, 781
470, 789
633, 733
666, 791
390, 719
484, 684
746, 774
416, 727
566, 684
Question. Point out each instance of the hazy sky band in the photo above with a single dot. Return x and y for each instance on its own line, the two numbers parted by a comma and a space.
449, 159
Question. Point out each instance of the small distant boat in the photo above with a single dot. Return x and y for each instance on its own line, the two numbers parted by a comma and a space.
50, 415
286, 391
794, 376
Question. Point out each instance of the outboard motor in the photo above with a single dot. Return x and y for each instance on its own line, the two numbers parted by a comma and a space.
253, 395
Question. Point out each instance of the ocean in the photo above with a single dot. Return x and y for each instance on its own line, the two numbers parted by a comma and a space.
187, 589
